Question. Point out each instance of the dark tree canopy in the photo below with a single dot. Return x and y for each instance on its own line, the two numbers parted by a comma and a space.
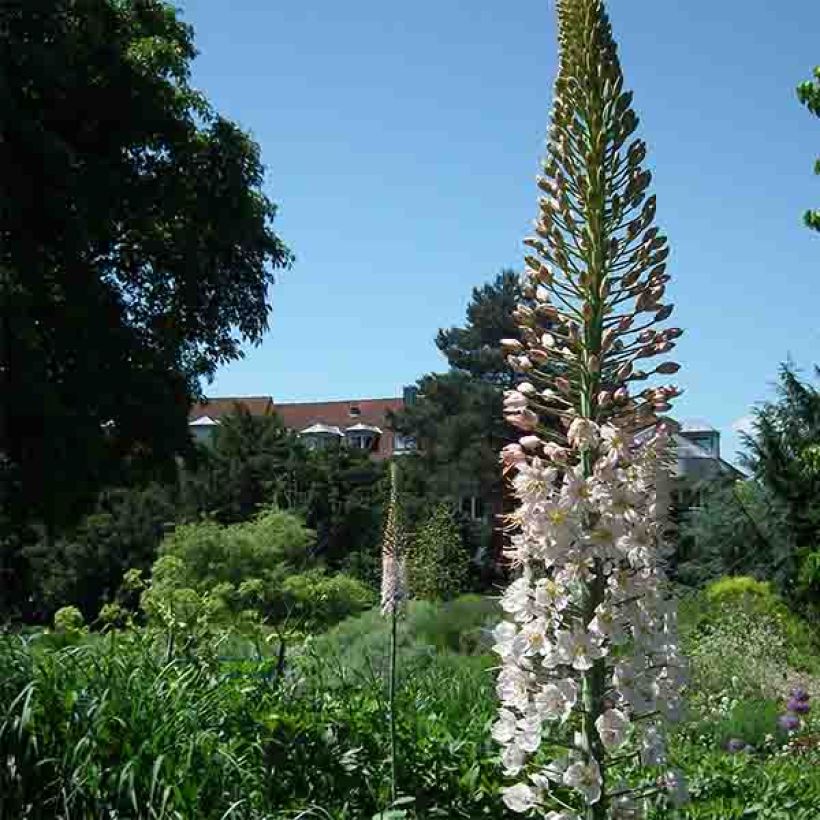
457, 419
136, 247
783, 452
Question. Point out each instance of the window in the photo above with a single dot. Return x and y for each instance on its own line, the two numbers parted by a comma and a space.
403, 443
355, 411
361, 441
473, 507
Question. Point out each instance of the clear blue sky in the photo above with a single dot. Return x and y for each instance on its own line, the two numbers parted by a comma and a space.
402, 141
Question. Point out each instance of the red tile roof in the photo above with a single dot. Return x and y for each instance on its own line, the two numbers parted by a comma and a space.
215, 408
298, 416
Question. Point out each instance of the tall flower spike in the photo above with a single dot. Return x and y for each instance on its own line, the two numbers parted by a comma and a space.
589, 655
394, 584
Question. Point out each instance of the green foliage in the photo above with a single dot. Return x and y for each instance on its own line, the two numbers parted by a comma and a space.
744, 592
739, 527
475, 349
100, 726
437, 564
190, 741
253, 461
457, 419
68, 619
137, 246
808, 93
742, 640
209, 575
208, 554
781, 451
746, 787
86, 564
316, 600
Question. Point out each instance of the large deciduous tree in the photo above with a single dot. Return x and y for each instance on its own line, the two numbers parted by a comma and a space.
136, 245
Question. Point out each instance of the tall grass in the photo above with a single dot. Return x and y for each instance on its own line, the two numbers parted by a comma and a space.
106, 729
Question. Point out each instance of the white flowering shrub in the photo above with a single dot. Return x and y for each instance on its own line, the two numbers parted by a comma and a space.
589, 654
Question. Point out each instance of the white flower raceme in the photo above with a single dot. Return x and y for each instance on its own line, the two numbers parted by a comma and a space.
589, 660
573, 528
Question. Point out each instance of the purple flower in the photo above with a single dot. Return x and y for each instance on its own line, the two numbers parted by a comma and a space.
800, 694
799, 707
788, 722
736, 745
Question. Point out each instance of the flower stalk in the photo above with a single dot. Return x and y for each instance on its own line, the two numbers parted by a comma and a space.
590, 650
393, 594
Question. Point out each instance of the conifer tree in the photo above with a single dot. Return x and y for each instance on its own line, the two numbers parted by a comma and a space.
437, 564
589, 655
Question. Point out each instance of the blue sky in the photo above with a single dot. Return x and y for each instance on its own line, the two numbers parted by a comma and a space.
402, 142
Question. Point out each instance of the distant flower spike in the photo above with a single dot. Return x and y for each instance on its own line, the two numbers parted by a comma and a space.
589, 655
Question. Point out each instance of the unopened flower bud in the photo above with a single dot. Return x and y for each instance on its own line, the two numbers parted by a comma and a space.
530, 442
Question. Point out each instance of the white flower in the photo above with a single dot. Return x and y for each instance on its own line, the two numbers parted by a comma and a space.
530, 442
625, 808
576, 492
582, 434
550, 595
616, 441
612, 726
586, 779
519, 798
556, 700
503, 730
514, 400
512, 688
606, 626
535, 636
529, 737
517, 599
560, 815
513, 758
578, 649
504, 633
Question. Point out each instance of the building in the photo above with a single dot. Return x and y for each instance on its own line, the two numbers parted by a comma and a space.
697, 461
359, 423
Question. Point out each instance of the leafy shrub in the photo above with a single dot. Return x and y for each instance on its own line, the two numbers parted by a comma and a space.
208, 554
752, 722
68, 619
734, 604
84, 566
317, 600
461, 625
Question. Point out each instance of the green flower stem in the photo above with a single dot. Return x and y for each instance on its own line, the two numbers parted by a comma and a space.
391, 697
